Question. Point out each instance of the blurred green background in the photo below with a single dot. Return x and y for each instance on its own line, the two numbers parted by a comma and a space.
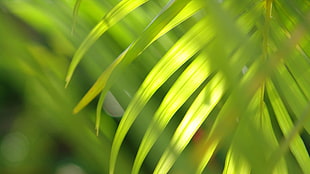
39, 133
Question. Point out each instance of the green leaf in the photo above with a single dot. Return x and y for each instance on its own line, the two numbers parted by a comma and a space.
149, 35
183, 88
298, 66
160, 24
182, 51
189, 10
236, 163
254, 132
122, 9
297, 146
244, 92
153, 32
195, 116
290, 92
75, 13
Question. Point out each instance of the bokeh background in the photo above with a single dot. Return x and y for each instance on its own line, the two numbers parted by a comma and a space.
40, 134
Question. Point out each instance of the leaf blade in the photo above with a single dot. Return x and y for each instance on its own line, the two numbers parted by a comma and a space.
182, 89
182, 51
122, 9
136, 48
297, 146
195, 116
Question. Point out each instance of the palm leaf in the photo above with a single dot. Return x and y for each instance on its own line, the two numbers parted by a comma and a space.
241, 68
183, 88
160, 73
75, 13
116, 14
153, 32
264, 37
193, 119
297, 146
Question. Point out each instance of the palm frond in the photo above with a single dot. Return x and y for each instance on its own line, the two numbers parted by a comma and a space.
249, 44
117, 13
239, 69
154, 31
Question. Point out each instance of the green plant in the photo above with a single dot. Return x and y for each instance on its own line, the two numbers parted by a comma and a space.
236, 70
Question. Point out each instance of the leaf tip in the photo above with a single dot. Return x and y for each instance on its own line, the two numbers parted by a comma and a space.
76, 110
67, 81
66, 85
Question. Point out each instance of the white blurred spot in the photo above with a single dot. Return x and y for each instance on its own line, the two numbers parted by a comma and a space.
244, 69
69, 169
14, 147
111, 106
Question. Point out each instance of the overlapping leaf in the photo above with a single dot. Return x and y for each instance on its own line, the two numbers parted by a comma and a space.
154, 31
188, 11
230, 51
183, 50
183, 88
195, 116
285, 122
241, 158
117, 13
